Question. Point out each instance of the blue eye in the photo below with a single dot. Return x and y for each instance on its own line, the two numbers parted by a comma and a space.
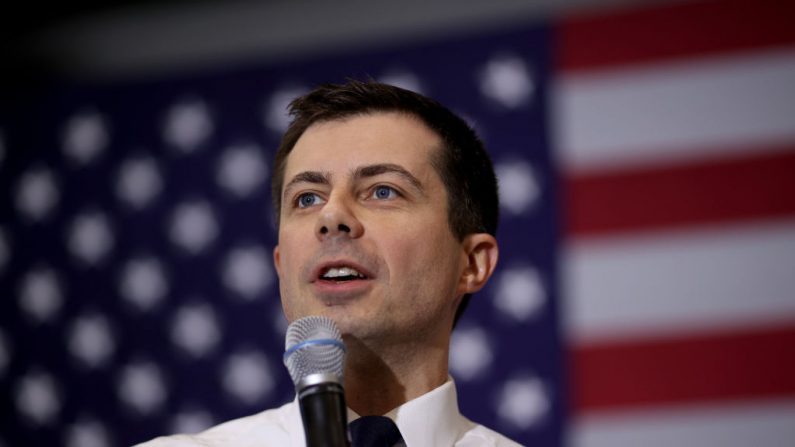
308, 199
384, 192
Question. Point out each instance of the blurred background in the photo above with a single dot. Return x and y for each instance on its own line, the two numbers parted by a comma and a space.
646, 158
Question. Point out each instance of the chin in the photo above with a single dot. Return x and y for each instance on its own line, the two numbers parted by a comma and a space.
349, 328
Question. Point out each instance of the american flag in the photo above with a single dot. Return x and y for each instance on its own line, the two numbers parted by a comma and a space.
646, 287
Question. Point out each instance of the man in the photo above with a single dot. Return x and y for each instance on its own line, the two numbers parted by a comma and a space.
387, 208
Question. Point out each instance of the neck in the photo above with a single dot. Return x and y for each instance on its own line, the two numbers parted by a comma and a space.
380, 378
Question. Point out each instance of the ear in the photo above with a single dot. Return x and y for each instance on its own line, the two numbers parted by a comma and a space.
277, 261
481, 258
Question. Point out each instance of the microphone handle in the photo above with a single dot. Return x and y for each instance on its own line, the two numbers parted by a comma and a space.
324, 414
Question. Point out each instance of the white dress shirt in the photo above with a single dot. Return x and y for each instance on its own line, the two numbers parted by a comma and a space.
431, 420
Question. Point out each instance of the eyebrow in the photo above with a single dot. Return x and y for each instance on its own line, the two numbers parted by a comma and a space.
362, 172
315, 177
388, 168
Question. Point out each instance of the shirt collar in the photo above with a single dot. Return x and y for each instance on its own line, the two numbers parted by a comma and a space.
296, 425
431, 419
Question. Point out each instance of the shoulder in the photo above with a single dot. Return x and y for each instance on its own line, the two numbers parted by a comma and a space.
268, 428
478, 435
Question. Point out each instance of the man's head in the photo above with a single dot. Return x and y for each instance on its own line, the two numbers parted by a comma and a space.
455, 154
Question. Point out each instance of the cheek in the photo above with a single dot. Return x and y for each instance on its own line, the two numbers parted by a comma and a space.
288, 251
429, 260
289, 273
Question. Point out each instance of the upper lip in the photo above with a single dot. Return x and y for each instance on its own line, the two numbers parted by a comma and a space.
324, 266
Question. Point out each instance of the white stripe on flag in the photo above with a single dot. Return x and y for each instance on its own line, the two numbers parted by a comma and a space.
759, 424
687, 280
672, 111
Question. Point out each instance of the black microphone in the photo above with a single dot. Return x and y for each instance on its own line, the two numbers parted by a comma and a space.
315, 356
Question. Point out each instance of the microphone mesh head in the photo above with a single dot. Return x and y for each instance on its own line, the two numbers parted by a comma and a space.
324, 353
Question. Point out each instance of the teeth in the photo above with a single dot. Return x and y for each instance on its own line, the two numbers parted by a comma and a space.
336, 272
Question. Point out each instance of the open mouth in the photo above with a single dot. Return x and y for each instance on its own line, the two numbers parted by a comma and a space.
341, 274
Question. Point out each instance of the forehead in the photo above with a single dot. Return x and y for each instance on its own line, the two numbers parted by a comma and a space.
384, 137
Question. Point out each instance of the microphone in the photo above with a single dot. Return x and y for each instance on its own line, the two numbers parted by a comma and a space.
314, 356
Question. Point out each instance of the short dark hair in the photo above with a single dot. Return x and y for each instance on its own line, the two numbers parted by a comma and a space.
462, 162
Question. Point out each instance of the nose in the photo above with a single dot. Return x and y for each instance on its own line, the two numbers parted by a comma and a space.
337, 219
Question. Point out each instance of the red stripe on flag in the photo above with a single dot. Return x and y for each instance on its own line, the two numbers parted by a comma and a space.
748, 187
716, 367
673, 31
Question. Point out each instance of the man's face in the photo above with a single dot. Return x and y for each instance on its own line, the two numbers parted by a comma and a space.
364, 236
